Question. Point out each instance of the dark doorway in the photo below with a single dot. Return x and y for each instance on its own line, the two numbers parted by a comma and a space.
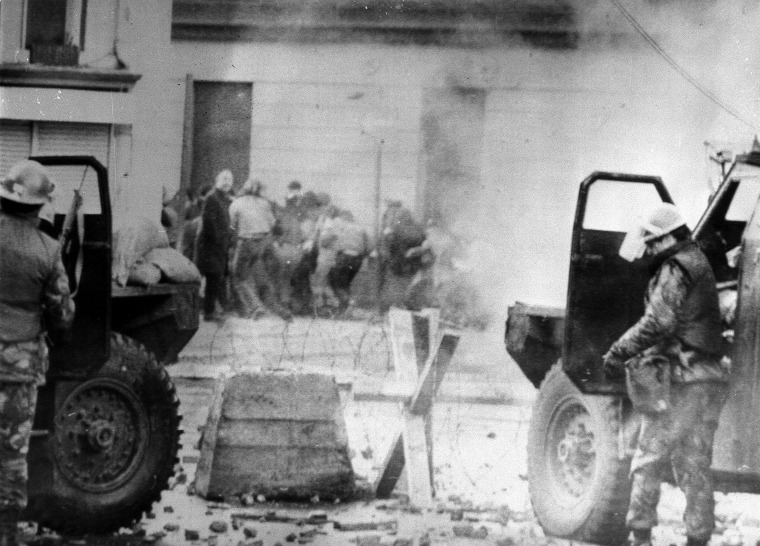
221, 131
452, 143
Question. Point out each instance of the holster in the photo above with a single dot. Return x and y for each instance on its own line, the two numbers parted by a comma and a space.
648, 383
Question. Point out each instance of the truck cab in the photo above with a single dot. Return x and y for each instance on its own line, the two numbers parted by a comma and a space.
583, 428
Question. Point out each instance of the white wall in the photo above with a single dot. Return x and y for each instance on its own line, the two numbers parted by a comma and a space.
552, 117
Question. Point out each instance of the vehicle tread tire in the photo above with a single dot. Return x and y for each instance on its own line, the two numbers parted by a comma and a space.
597, 515
69, 509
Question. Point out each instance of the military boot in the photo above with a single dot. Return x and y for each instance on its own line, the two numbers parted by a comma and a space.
9, 527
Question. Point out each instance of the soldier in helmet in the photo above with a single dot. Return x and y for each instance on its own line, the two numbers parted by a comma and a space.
679, 338
34, 293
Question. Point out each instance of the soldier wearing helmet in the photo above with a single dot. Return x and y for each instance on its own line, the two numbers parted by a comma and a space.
678, 341
34, 293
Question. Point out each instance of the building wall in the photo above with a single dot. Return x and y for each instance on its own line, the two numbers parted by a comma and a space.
551, 118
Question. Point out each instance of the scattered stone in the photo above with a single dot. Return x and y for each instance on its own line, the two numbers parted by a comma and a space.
149, 539
171, 527
192, 534
261, 498
403, 542
291, 537
464, 530
193, 459
314, 499
212, 540
317, 516
507, 541
218, 506
247, 499
368, 540
249, 531
457, 515
424, 540
181, 477
218, 526
366, 525
209, 513
305, 540
235, 524
168, 510
150, 515
491, 435
455, 499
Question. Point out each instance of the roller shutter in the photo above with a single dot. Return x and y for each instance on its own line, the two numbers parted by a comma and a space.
15, 143
75, 139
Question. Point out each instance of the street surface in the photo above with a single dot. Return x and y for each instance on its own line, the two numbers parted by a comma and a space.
480, 423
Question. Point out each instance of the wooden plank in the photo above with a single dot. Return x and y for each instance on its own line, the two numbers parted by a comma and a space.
208, 439
417, 460
392, 467
432, 376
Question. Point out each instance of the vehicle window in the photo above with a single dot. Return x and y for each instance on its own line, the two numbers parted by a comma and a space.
613, 205
67, 179
744, 201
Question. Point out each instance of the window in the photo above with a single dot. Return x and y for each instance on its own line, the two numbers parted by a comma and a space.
55, 30
615, 206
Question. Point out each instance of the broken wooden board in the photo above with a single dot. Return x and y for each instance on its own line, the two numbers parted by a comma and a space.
413, 446
279, 435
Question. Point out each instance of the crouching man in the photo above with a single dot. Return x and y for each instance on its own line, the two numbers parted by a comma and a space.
34, 292
680, 333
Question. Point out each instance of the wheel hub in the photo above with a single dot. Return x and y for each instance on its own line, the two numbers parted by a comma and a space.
100, 434
574, 452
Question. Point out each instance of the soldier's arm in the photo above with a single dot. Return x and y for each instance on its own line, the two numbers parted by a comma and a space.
59, 305
660, 318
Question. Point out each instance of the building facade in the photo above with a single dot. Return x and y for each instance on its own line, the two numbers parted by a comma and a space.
481, 114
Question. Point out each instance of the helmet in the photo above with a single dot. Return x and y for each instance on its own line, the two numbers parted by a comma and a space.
660, 221
27, 182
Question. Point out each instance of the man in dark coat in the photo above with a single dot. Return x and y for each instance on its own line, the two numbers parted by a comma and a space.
214, 243
680, 335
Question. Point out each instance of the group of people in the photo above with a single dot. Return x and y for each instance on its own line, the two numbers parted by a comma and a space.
261, 258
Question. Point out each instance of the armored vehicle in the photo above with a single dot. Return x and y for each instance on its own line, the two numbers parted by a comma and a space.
583, 430
106, 431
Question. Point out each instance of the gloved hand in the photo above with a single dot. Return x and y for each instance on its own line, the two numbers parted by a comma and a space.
614, 367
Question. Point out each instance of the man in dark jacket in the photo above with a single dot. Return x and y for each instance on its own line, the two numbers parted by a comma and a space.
34, 293
214, 242
680, 332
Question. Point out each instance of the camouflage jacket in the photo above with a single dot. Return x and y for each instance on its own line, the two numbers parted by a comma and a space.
34, 295
682, 319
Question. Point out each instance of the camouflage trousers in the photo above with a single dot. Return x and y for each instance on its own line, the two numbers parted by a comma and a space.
17, 404
678, 441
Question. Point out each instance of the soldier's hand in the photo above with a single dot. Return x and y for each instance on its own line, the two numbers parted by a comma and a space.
614, 367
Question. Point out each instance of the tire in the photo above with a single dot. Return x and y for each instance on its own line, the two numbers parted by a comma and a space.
114, 444
578, 486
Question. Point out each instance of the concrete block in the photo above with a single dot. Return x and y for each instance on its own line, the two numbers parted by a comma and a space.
275, 435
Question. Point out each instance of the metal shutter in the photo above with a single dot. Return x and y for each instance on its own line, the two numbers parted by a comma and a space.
15, 143
75, 139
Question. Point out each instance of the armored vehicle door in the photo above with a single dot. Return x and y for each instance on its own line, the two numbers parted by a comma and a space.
87, 259
605, 292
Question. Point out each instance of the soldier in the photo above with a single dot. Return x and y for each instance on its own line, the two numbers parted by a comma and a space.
680, 335
34, 292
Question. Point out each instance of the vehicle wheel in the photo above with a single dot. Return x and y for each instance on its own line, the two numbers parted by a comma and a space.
578, 486
114, 443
